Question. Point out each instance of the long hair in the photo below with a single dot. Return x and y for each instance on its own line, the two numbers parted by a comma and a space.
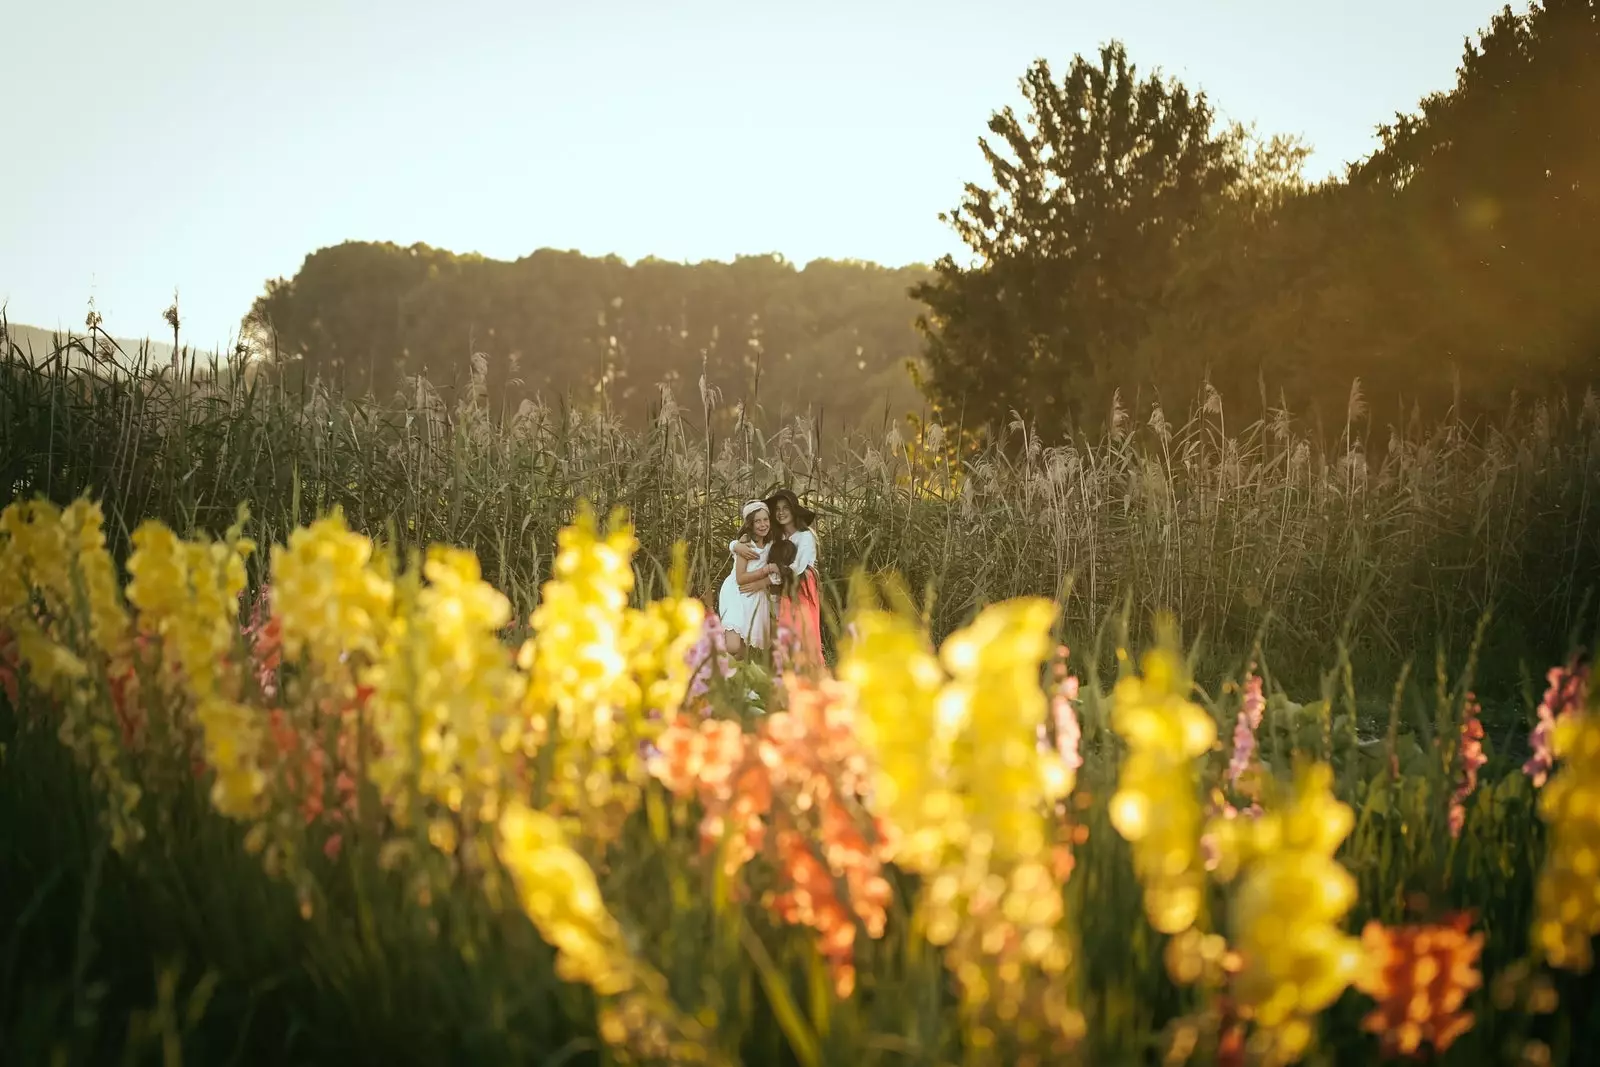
803, 516
782, 556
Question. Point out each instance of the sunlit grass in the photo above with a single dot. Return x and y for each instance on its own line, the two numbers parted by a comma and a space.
1396, 538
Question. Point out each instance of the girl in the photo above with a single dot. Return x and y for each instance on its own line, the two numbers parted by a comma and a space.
794, 525
742, 602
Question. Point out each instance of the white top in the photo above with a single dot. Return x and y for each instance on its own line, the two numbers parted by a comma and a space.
805, 551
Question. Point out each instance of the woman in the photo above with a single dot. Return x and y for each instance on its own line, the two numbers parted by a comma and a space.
793, 522
742, 602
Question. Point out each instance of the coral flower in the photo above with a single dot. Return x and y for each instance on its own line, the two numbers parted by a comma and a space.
1470, 759
1421, 977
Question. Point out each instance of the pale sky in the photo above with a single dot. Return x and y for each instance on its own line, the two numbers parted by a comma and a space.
211, 145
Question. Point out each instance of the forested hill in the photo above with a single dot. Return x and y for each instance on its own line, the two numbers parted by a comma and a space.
832, 337
36, 344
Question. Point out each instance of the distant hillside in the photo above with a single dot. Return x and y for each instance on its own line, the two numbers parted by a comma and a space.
832, 338
37, 344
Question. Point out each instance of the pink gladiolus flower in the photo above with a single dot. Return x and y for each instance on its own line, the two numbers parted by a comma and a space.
1472, 758
1244, 730
785, 646
1569, 688
1064, 716
709, 653
1068, 734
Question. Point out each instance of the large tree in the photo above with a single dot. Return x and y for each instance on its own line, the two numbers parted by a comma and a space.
1073, 242
1455, 263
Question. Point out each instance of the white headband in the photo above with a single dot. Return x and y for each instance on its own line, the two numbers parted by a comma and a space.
751, 508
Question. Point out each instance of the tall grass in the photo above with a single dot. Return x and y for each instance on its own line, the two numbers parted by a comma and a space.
1398, 540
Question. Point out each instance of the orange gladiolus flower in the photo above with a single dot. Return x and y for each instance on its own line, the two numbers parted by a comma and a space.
1421, 977
792, 784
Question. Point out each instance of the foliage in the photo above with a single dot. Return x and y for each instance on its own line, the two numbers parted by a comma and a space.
779, 892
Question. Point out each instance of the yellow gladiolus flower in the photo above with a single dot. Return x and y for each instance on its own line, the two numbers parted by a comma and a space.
442, 691
1567, 897
188, 594
60, 557
598, 669
1154, 807
558, 892
1287, 912
330, 596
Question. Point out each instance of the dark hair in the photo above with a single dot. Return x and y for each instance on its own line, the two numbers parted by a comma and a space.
747, 532
803, 516
782, 556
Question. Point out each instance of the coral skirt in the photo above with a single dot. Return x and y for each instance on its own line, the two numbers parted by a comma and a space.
802, 616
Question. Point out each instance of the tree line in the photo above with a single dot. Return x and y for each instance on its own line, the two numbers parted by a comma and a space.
1126, 249
832, 337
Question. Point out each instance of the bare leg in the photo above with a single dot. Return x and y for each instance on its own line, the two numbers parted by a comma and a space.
735, 644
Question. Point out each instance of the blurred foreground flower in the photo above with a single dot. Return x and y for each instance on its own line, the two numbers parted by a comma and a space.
558, 892
1155, 807
1287, 911
969, 789
332, 596
65, 623
1567, 897
187, 593
603, 676
1421, 977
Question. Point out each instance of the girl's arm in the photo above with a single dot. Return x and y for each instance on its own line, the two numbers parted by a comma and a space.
749, 580
756, 580
746, 551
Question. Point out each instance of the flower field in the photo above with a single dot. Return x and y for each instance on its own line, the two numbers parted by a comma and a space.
329, 800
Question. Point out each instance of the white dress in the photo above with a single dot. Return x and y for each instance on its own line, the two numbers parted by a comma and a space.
745, 614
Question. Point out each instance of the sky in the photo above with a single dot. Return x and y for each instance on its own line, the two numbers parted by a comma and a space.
207, 147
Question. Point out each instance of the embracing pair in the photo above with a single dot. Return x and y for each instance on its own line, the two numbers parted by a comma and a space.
774, 577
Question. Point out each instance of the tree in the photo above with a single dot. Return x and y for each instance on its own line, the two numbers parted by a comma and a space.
1093, 190
1489, 195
